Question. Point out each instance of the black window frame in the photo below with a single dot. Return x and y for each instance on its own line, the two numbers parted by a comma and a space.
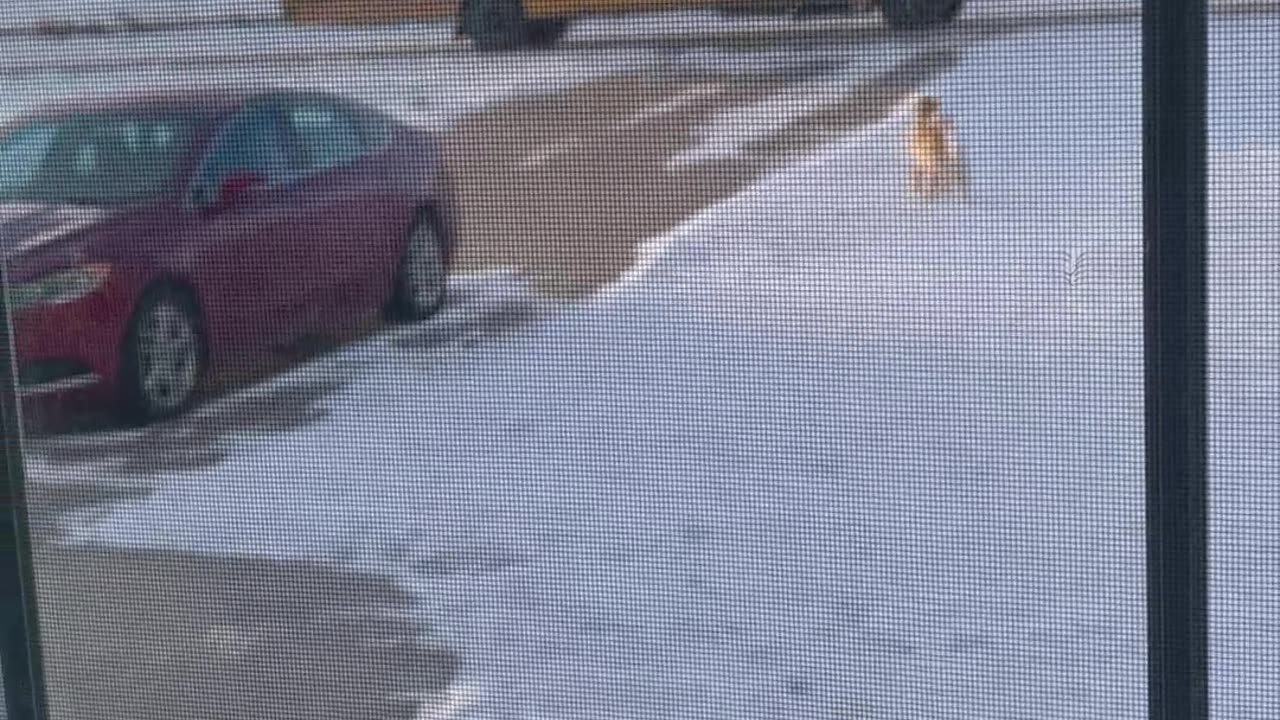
1175, 331
20, 649
1175, 327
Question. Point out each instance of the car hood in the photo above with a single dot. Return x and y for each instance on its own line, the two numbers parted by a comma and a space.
26, 226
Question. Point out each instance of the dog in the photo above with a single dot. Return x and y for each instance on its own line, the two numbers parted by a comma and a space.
937, 165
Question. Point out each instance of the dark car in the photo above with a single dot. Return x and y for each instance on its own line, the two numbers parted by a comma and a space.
156, 240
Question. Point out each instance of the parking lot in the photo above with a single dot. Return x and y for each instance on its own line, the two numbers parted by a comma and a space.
687, 272
557, 208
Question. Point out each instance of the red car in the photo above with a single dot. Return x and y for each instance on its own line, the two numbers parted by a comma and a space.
156, 240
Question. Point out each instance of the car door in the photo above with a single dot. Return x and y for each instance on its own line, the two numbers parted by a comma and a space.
353, 235
244, 247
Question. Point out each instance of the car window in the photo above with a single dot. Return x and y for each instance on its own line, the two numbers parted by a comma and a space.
376, 126
327, 135
253, 142
92, 158
22, 153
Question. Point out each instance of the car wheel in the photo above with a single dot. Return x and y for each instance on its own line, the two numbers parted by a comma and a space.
422, 281
495, 25
917, 14
545, 32
164, 356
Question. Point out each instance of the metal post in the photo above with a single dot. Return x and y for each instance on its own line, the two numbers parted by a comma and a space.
19, 631
1175, 58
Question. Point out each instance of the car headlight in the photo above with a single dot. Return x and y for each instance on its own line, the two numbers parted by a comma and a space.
59, 287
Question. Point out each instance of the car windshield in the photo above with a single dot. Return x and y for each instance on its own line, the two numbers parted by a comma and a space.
98, 159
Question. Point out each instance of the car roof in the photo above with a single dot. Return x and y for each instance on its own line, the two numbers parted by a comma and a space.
216, 101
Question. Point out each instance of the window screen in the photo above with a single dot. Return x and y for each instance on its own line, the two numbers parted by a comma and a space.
644, 360
1244, 195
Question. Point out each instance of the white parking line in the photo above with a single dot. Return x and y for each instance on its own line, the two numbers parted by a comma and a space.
546, 153
672, 104
449, 705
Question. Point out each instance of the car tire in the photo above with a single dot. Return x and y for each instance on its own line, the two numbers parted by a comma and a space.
545, 32
918, 14
495, 25
163, 357
422, 276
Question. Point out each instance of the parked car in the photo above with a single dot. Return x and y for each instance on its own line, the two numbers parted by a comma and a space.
157, 239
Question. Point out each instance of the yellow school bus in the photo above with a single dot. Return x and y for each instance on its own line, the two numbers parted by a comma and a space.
510, 24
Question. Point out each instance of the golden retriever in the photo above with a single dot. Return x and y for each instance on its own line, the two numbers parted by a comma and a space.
937, 165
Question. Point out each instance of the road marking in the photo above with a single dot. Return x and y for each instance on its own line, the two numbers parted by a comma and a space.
672, 104
546, 154
454, 701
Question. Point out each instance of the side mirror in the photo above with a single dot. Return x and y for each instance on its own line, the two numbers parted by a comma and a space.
235, 187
